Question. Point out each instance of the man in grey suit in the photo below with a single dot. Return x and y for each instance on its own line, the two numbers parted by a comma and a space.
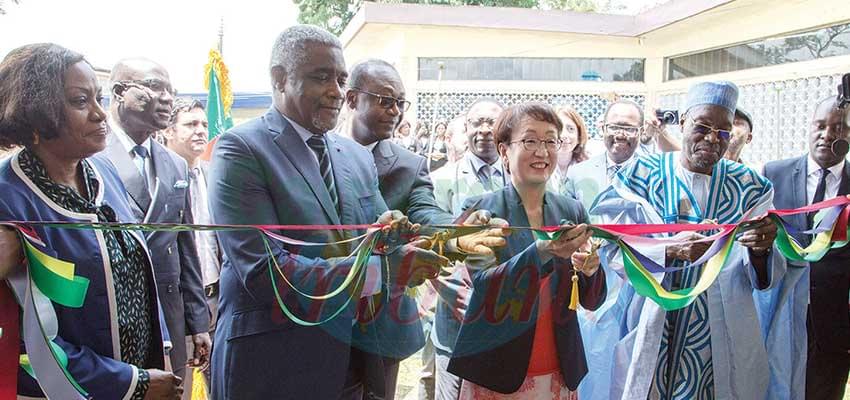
376, 99
622, 124
157, 182
284, 168
812, 300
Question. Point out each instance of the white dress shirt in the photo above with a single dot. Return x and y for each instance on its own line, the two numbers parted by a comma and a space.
129, 144
813, 172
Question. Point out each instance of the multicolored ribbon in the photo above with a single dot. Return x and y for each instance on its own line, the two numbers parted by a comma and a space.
49, 279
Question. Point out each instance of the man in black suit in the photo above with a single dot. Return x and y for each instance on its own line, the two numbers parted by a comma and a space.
376, 99
157, 182
823, 286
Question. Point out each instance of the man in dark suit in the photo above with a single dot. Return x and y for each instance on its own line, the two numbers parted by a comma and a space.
284, 168
376, 99
157, 182
817, 292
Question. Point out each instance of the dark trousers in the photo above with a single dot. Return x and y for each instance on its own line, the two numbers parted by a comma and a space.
366, 371
826, 372
826, 375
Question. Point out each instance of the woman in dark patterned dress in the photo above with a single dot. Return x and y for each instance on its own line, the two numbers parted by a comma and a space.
50, 108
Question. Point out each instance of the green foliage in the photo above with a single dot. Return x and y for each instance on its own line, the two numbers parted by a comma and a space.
334, 15
3, 6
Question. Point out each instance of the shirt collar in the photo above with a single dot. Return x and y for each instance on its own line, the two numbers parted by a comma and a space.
125, 139
302, 131
371, 146
477, 163
835, 170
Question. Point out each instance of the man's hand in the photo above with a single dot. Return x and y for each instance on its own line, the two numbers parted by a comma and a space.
689, 251
760, 237
10, 251
564, 247
412, 264
586, 259
203, 347
163, 385
396, 227
483, 242
653, 128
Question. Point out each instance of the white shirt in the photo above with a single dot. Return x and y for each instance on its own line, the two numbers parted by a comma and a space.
205, 240
832, 181
611, 168
305, 135
129, 144
698, 184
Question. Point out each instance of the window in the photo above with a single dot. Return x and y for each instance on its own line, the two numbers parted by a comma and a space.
825, 42
533, 69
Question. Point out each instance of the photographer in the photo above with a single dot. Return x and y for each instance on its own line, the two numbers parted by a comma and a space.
655, 138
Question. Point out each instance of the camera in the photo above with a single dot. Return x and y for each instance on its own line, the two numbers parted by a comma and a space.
844, 91
667, 117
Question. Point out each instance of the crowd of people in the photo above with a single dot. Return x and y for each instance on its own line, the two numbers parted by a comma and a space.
500, 313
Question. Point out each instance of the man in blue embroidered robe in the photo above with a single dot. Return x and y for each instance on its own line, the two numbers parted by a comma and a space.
712, 348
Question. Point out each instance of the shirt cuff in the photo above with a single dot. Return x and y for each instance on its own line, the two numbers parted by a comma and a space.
142, 385
372, 286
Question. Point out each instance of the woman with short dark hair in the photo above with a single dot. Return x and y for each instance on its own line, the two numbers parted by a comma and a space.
50, 106
519, 338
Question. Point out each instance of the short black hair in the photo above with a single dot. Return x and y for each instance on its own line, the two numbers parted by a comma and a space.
739, 113
360, 70
32, 92
624, 101
183, 104
512, 116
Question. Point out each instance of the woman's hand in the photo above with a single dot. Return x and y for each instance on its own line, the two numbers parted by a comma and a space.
586, 259
10, 251
564, 247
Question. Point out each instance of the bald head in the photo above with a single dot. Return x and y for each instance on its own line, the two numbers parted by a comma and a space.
142, 97
134, 68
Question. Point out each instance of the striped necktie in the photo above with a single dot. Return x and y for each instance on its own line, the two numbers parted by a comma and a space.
317, 144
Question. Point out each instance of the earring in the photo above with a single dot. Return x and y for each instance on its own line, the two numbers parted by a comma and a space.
35, 137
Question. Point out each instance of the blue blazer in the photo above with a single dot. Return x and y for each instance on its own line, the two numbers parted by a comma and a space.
495, 354
828, 280
86, 333
263, 173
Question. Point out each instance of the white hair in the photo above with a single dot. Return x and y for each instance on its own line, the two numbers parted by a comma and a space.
289, 49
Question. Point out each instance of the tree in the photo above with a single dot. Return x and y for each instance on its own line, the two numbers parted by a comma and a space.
334, 15
3, 6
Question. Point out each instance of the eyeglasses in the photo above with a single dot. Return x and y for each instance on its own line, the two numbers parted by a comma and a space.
702, 129
155, 85
535, 144
386, 102
627, 130
477, 123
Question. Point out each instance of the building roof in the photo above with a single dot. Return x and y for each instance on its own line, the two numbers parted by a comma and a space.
526, 18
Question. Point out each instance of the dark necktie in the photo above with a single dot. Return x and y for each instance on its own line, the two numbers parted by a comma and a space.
317, 144
820, 192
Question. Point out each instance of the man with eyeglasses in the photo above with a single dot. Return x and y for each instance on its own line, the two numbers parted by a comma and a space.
157, 182
479, 171
376, 100
813, 301
712, 347
622, 125
287, 168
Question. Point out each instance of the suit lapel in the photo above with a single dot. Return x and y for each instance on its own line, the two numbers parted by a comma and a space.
385, 159
291, 145
342, 176
163, 185
844, 185
129, 173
